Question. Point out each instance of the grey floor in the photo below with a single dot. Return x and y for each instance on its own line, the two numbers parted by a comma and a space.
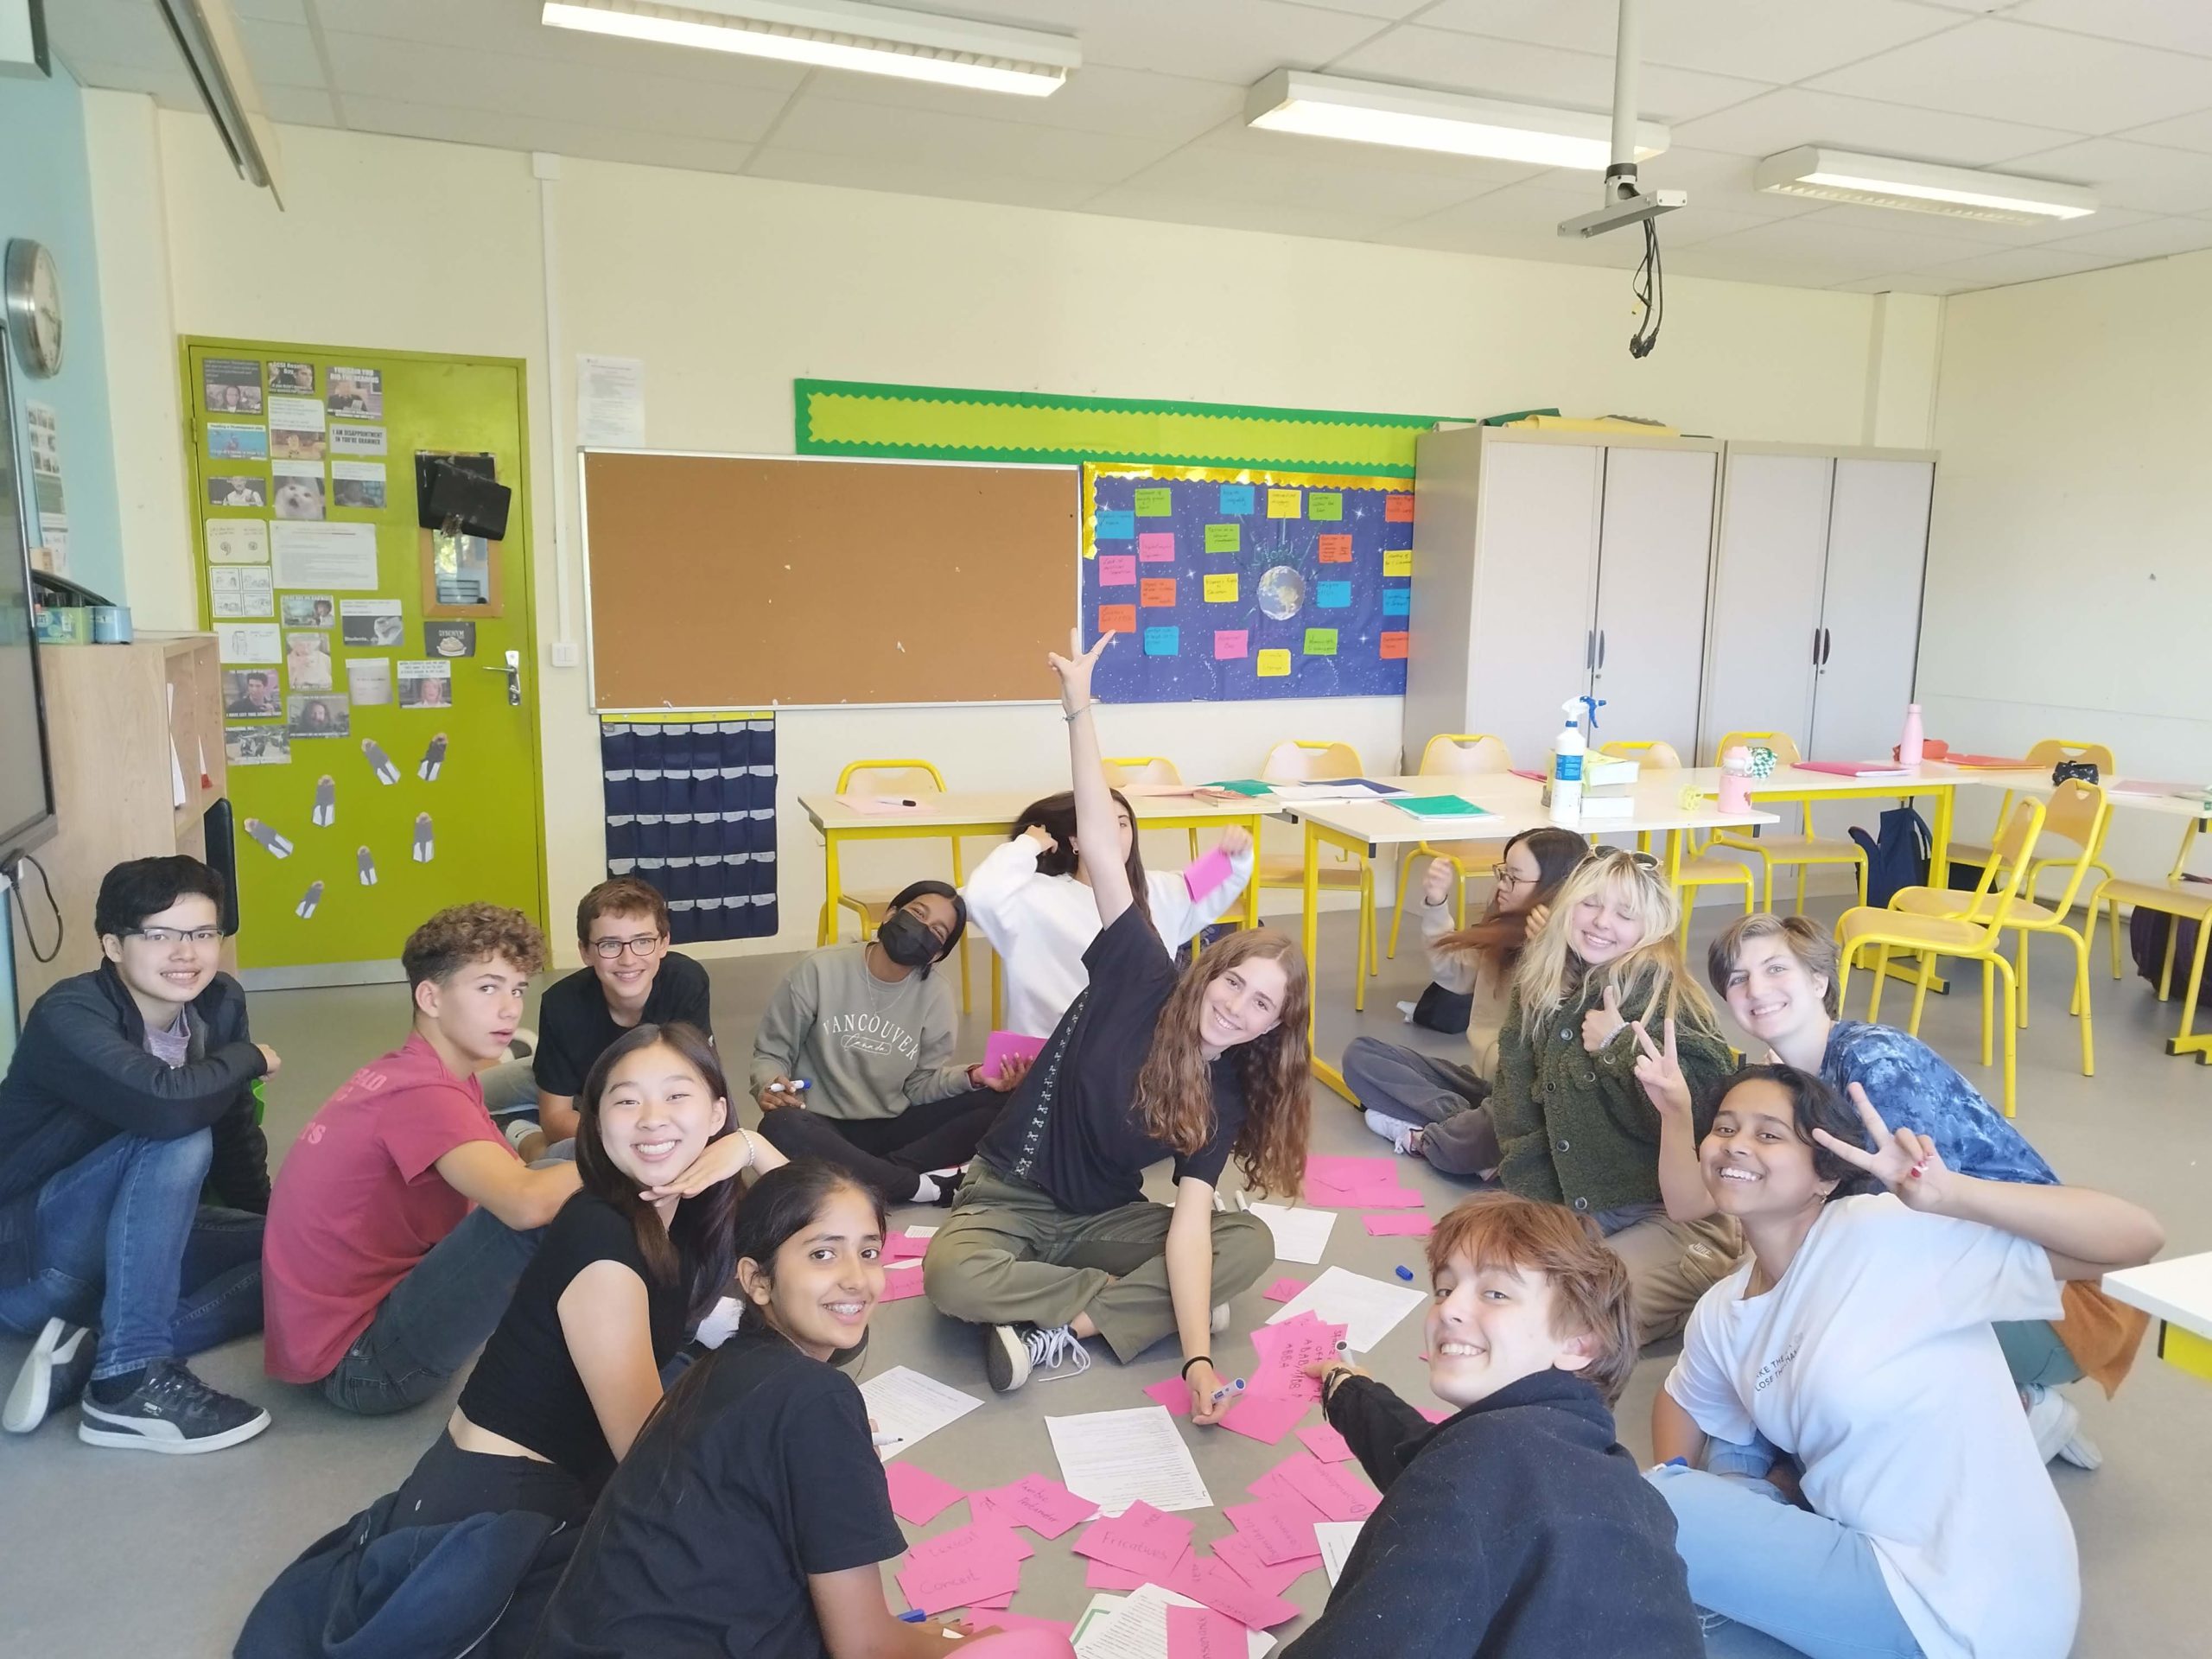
103, 1553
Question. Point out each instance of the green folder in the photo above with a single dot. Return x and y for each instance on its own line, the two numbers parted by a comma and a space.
1439, 806
1251, 786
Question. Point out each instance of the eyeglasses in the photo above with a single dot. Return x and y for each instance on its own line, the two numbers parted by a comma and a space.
1505, 876
165, 936
611, 949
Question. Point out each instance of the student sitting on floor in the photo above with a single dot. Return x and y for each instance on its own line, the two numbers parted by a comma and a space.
379, 1282
1778, 975
1052, 1240
131, 1091
1031, 900
1573, 1123
1856, 1337
1431, 1108
868, 1029
629, 978
751, 1515
1520, 1526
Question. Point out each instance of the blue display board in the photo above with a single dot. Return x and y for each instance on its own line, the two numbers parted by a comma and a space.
1226, 585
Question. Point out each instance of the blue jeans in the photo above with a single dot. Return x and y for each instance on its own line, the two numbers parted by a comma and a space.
1768, 1569
124, 1243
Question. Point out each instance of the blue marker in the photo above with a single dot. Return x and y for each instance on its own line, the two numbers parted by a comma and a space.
914, 1618
1405, 1273
1228, 1388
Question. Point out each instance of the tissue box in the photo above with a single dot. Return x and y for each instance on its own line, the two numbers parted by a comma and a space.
1604, 771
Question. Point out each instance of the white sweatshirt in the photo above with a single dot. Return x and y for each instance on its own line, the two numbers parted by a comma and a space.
1040, 925
1465, 972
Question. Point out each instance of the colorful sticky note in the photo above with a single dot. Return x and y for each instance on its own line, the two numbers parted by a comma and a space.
1159, 502
1162, 642
902, 1284
1201, 1633
1203, 876
1397, 601
1265, 1416
1229, 644
1398, 507
1236, 498
1394, 647
1157, 547
1117, 570
916, 1495
1157, 592
1109, 526
1335, 550
1321, 642
1283, 1289
1139, 1540
1222, 590
1281, 1530
1333, 595
1325, 1443
1273, 665
1172, 1393
1117, 619
1325, 503
1038, 1502
1225, 538
1283, 503
1397, 561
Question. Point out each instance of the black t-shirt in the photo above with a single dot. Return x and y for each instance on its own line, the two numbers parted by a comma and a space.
1071, 1127
525, 1386
575, 1028
761, 1475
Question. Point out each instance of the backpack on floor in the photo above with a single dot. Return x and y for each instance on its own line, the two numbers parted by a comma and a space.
1898, 857
2146, 937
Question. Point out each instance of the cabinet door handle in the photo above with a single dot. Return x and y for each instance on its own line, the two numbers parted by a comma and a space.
1827, 644
1601, 651
1589, 650
1817, 632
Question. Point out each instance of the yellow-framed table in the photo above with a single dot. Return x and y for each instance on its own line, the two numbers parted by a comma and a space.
2178, 1294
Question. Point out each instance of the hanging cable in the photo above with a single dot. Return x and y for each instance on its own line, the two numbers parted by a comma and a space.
1650, 291
14, 868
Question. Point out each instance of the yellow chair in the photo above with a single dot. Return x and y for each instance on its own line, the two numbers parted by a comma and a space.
1930, 937
2189, 901
1301, 760
2043, 756
888, 778
1699, 868
2077, 812
1801, 851
1454, 755
1123, 770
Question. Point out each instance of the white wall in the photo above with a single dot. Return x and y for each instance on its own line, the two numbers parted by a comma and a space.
729, 288
2070, 590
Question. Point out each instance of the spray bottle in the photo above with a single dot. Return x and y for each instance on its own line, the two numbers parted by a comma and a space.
1566, 768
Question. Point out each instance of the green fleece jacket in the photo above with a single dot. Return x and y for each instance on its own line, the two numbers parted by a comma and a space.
1573, 1127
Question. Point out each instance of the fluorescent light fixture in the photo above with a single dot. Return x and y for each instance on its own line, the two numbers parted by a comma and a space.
841, 34
207, 34
1377, 112
1921, 187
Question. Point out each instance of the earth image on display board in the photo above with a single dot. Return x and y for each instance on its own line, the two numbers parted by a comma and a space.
1282, 591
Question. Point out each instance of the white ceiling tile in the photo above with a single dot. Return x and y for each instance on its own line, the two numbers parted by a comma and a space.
1825, 255
823, 126
120, 34
2153, 238
1238, 164
1541, 74
1095, 99
913, 179
2182, 132
1236, 41
2009, 72
2004, 265
1751, 265
2174, 25
494, 129
281, 54
1280, 217
1783, 120
1912, 283
2147, 177
300, 106
1771, 40
464, 79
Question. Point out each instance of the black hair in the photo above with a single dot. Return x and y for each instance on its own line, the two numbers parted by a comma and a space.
1814, 1104
781, 1205
914, 890
698, 1250
1055, 815
140, 887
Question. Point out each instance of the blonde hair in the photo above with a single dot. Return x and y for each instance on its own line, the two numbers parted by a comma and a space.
1652, 970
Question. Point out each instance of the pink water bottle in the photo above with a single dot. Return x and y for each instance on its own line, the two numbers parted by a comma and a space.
1908, 746
1736, 780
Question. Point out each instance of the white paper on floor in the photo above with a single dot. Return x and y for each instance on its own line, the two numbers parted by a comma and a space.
1337, 1539
1115, 1457
904, 1404
1138, 1628
1300, 1234
1367, 1308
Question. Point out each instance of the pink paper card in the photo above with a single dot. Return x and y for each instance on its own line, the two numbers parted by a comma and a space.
918, 1496
901, 1284
1265, 1416
1236, 1552
1283, 1290
1399, 1226
1219, 1588
1171, 1392
904, 1247
976, 1538
1231, 644
1037, 1502
1118, 570
1208, 873
992, 1603
1286, 1349
1201, 1633
1332, 1488
1276, 1488
1141, 1539
947, 1581
1100, 1575
1325, 1443
1350, 1173
1156, 547
1277, 1532
1003, 1046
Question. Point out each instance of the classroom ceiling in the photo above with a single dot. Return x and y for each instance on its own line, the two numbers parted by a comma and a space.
2114, 94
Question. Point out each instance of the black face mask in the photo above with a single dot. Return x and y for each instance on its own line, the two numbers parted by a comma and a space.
907, 939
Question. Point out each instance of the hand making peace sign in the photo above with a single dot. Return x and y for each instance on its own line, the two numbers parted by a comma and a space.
1903, 1160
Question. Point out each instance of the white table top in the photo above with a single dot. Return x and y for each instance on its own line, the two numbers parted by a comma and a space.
997, 809
1513, 805
2178, 1290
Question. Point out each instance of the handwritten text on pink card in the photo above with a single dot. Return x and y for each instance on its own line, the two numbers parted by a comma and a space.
1117, 570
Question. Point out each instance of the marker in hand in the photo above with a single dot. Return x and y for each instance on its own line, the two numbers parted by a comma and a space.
1228, 1388
888, 1439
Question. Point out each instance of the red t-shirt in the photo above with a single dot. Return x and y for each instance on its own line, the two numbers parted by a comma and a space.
358, 1201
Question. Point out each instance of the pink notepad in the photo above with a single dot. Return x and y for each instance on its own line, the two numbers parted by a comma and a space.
1201, 1633
1208, 873
916, 1495
1003, 1046
1400, 1226
1857, 768
1283, 1290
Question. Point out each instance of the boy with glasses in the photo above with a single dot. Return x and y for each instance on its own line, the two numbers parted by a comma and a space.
132, 1090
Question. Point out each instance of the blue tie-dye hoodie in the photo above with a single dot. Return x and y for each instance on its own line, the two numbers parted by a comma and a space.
1913, 1085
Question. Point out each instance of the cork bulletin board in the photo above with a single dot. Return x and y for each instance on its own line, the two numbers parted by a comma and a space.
746, 581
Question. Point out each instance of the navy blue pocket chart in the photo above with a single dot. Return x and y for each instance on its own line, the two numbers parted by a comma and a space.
691, 808
1227, 585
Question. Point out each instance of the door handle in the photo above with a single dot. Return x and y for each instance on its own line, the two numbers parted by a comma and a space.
1601, 651
1817, 632
1827, 644
512, 669
1589, 650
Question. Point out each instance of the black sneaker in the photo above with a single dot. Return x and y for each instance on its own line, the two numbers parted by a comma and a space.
52, 1375
170, 1411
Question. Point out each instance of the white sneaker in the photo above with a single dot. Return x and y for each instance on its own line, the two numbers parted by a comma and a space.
1404, 1137
1014, 1353
52, 1375
2056, 1421
721, 1323
1220, 1322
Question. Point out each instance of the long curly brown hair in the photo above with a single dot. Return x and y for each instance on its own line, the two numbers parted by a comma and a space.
1174, 1094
